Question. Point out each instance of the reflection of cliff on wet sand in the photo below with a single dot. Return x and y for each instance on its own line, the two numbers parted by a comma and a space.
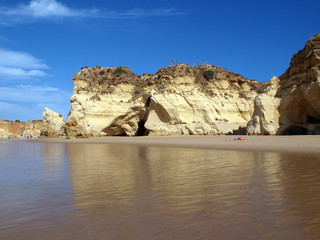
137, 192
54, 157
301, 182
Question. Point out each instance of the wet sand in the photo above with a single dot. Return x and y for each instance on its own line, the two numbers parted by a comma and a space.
286, 144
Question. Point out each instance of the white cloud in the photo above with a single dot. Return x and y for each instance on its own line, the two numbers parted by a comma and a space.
148, 13
47, 8
51, 9
44, 9
33, 94
10, 58
18, 73
20, 65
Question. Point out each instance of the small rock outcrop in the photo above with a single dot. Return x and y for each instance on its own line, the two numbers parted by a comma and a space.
53, 124
265, 118
293, 102
176, 100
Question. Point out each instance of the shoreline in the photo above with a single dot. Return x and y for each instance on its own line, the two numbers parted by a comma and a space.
308, 144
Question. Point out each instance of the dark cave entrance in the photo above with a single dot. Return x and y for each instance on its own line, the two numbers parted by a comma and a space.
295, 130
142, 131
311, 119
122, 135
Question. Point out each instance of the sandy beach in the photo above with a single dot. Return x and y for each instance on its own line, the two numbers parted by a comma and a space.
289, 144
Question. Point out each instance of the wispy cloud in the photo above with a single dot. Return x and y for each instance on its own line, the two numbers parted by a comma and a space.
138, 13
27, 102
52, 9
44, 9
20, 65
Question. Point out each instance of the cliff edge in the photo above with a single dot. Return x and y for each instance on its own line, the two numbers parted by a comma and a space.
294, 101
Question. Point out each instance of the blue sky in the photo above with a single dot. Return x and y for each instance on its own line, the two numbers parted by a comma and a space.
44, 42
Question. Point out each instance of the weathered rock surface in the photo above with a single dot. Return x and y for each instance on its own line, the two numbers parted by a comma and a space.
299, 93
176, 100
20, 129
265, 118
53, 124
33, 128
11, 129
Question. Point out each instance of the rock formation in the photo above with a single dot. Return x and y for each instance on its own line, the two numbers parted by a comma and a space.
53, 124
33, 128
20, 129
176, 100
265, 118
295, 99
11, 129
185, 100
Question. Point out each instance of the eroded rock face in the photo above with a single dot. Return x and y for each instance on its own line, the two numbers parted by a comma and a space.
20, 129
33, 128
265, 119
11, 129
53, 124
176, 100
291, 105
300, 92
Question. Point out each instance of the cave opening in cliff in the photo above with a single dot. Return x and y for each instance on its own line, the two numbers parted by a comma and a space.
142, 131
122, 135
312, 119
295, 130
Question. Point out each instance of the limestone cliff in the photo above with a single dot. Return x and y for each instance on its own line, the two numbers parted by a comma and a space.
33, 128
265, 118
176, 100
53, 124
297, 97
11, 129
300, 91
20, 129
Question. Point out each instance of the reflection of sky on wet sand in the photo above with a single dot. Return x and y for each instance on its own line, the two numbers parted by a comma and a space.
34, 191
223, 194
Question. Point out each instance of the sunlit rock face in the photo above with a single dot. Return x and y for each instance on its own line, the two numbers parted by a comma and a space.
291, 105
265, 119
53, 124
176, 100
33, 128
19, 129
300, 92
11, 129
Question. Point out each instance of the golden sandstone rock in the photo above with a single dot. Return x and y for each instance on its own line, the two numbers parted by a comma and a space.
291, 105
53, 125
176, 100
185, 100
